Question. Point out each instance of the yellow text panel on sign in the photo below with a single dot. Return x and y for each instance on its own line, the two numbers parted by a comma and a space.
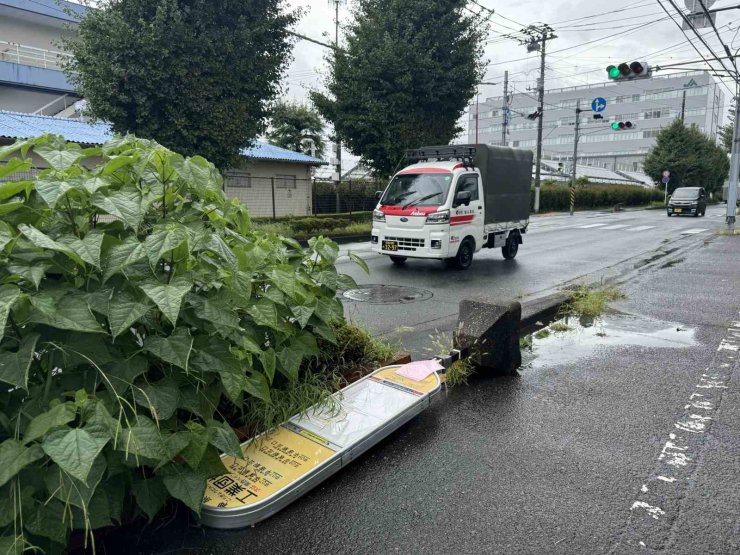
427, 385
270, 464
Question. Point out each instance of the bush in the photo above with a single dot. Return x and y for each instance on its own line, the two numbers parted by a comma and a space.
142, 315
557, 197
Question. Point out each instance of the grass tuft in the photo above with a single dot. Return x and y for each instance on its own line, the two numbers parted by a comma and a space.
458, 373
591, 303
560, 327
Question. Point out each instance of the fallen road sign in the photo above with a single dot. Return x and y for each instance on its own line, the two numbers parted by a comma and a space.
282, 465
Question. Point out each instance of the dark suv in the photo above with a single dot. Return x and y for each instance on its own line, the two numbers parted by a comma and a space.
688, 200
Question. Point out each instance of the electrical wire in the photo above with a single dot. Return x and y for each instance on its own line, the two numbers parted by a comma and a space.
628, 7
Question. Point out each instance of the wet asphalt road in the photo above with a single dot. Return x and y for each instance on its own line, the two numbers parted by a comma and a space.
557, 249
553, 459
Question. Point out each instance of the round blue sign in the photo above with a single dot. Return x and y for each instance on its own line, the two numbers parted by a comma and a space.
666, 179
598, 104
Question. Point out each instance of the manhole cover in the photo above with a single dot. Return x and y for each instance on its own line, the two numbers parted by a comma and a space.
387, 294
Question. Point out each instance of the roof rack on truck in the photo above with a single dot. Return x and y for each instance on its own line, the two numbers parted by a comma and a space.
464, 153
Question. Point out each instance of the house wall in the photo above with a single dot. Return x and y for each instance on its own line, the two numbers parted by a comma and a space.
252, 184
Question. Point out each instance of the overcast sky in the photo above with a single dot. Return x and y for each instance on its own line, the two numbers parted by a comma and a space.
576, 65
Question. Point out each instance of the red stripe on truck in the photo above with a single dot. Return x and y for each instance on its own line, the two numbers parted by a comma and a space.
461, 220
410, 211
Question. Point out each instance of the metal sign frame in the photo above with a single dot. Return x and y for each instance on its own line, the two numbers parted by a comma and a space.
282, 465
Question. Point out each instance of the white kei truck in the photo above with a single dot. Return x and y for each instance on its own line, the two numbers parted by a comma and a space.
452, 201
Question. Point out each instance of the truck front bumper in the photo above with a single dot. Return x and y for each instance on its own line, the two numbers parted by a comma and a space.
415, 243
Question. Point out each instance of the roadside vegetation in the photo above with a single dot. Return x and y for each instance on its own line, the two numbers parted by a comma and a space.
590, 302
302, 228
143, 317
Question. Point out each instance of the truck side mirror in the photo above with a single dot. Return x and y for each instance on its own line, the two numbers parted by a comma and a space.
463, 197
378, 194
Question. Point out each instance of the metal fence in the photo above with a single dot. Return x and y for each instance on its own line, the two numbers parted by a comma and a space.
32, 56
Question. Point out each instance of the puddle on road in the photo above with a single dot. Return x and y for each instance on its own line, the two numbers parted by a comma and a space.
584, 337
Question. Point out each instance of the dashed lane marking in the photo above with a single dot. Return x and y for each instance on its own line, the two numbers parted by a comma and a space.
620, 226
590, 226
693, 231
641, 228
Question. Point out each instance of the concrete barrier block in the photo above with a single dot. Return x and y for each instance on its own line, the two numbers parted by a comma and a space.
489, 328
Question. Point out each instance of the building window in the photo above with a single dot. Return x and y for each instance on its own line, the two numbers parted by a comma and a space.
653, 114
622, 99
515, 143
285, 182
241, 180
635, 98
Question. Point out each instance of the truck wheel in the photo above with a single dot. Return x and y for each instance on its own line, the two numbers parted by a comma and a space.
464, 257
511, 247
398, 260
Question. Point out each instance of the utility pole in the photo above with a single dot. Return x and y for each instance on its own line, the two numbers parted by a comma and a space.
505, 108
477, 112
683, 106
575, 157
734, 165
338, 180
539, 35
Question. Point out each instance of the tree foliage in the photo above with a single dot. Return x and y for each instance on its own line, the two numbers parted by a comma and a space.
140, 315
726, 131
693, 158
408, 71
297, 127
194, 77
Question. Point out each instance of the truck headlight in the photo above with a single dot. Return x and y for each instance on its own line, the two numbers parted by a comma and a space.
378, 216
442, 217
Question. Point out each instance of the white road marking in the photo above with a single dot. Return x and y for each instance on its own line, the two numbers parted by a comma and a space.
590, 226
641, 228
693, 231
655, 512
615, 226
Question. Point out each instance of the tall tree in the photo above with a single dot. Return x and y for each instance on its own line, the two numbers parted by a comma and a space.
409, 69
197, 78
692, 157
726, 131
297, 127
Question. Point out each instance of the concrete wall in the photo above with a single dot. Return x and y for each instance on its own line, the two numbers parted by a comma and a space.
252, 184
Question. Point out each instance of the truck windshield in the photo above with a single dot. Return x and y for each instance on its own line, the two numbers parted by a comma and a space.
421, 189
686, 193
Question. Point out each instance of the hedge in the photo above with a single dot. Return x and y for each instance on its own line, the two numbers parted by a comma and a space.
557, 197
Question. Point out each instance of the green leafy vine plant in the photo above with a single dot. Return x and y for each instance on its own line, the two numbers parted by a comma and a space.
141, 315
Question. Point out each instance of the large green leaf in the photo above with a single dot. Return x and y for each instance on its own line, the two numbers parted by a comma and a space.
32, 272
163, 240
224, 439
8, 295
269, 362
150, 495
193, 453
71, 312
45, 242
124, 309
92, 184
12, 545
49, 521
327, 249
257, 386
265, 313
284, 277
74, 450
9, 207
11, 166
126, 205
119, 257
219, 359
71, 490
88, 248
303, 311
121, 374
218, 312
52, 190
160, 398
116, 163
59, 155
14, 457
185, 484
61, 414
217, 245
168, 297
143, 440
359, 261
6, 234
175, 349
14, 365
10, 189
197, 171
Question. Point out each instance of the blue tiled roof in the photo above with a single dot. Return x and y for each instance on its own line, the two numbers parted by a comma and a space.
50, 8
15, 125
264, 151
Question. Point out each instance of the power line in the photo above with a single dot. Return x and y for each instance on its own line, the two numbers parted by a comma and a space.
628, 7
711, 21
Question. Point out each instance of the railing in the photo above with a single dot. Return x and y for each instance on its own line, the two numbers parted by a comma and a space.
32, 56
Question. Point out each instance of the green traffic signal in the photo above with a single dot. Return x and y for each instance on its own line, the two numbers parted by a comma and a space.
613, 72
615, 125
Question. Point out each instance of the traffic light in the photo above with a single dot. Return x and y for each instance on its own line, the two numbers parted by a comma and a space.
621, 125
624, 71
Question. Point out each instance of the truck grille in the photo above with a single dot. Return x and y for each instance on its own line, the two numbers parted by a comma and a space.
406, 243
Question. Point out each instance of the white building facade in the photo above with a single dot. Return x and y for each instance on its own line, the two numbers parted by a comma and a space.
649, 104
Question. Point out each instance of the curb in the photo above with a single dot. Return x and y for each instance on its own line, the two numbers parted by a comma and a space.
539, 312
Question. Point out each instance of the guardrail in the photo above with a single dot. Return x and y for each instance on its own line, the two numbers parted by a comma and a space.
32, 56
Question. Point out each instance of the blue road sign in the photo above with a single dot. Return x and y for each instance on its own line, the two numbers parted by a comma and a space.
598, 104
666, 179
